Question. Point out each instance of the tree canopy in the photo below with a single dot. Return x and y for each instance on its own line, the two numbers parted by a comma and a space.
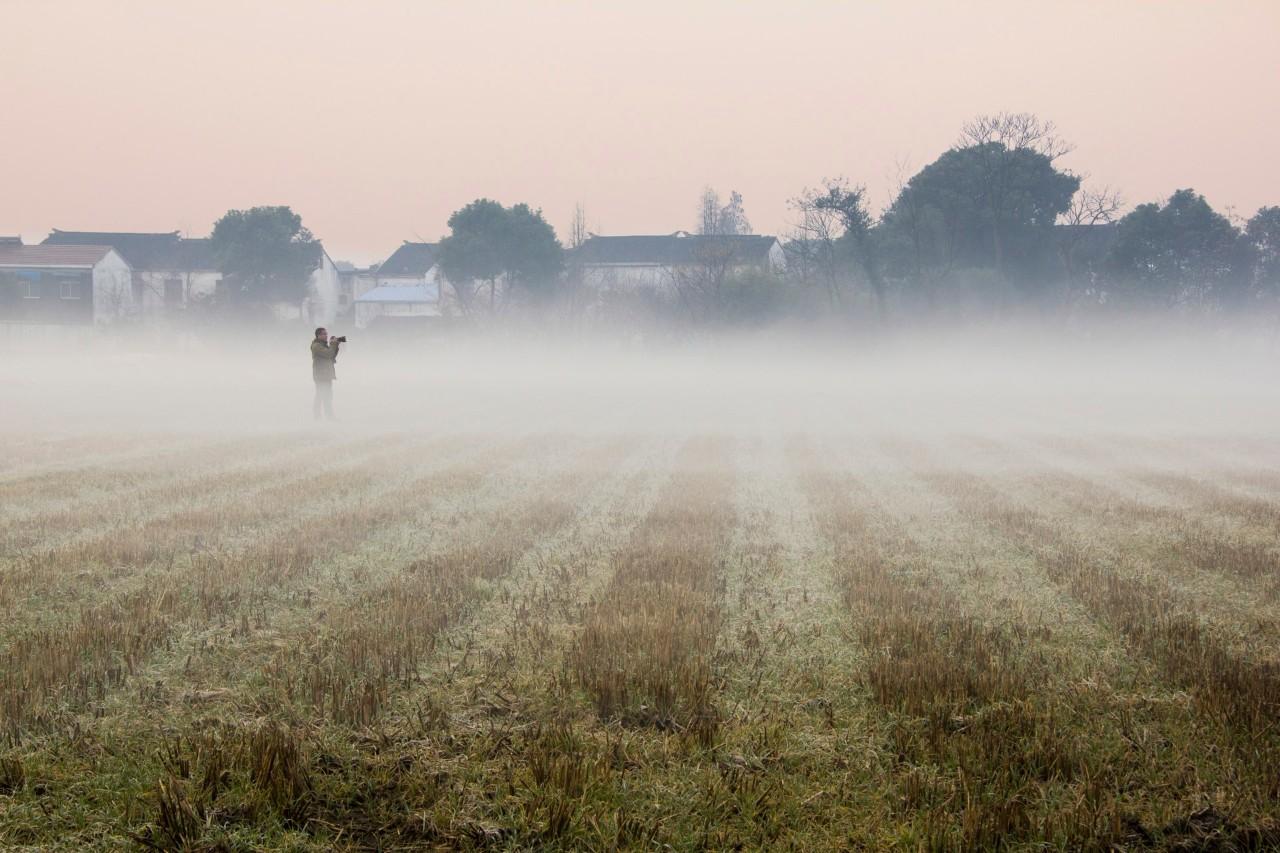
1179, 252
265, 253
984, 206
489, 243
1263, 235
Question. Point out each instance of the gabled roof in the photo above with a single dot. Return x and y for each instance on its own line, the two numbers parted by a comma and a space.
674, 249
144, 251
413, 293
195, 253
411, 259
52, 257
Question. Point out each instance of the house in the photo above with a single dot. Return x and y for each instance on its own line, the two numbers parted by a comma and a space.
63, 285
412, 264
405, 285
170, 272
324, 291
352, 281
387, 304
660, 260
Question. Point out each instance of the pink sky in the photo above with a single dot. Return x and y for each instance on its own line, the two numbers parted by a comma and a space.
375, 120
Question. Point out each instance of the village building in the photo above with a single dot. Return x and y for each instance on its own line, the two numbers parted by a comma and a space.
324, 290
352, 280
406, 289
660, 261
169, 272
62, 285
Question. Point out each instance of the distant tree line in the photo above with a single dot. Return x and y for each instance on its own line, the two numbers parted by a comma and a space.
994, 226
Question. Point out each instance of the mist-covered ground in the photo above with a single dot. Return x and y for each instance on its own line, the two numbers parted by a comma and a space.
997, 382
919, 593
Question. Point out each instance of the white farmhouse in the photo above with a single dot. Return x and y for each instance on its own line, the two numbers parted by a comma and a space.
63, 285
169, 272
405, 287
659, 260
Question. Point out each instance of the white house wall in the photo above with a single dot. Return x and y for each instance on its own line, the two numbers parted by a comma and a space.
367, 312
627, 276
112, 289
196, 286
777, 258
322, 288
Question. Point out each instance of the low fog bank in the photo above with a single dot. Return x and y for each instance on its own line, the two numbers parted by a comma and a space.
996, 381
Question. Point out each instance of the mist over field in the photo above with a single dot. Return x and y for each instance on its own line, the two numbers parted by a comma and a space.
995, 381
796, 590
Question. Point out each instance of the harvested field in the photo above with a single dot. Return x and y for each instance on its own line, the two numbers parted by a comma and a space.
317, 641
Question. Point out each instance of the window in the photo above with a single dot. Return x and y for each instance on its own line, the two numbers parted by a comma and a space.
68, 290
32, 291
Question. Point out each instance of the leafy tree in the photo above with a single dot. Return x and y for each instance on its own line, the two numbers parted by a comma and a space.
265, 255
1263, 236
989, 203
489, 243
1180, 253
836, 237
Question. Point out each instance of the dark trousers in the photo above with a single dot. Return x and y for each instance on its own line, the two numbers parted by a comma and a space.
324, 399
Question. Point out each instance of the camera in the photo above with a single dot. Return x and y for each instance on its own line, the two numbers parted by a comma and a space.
341, 340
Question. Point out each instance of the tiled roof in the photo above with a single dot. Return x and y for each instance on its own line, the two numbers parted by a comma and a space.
142, 251
411, 259
51, 256
145, 251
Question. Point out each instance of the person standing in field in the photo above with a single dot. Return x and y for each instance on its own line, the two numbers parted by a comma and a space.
324, 358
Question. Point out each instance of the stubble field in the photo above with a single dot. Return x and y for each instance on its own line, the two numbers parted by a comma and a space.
728, 639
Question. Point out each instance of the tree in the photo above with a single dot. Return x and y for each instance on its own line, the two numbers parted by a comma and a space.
1263, 235
489, 243
717, 218
836, 236
578, 233
999, 145
989, 204
1180, 253
1089, 210
265, 255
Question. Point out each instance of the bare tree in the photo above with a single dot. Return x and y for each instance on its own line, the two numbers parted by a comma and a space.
835, 229
1014, 131
700, 285
578, 227
1089, 209
815, 256
709, 212
574, 289
717, 218
733, 216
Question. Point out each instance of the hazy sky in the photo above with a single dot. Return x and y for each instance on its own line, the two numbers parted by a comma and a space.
375, 120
